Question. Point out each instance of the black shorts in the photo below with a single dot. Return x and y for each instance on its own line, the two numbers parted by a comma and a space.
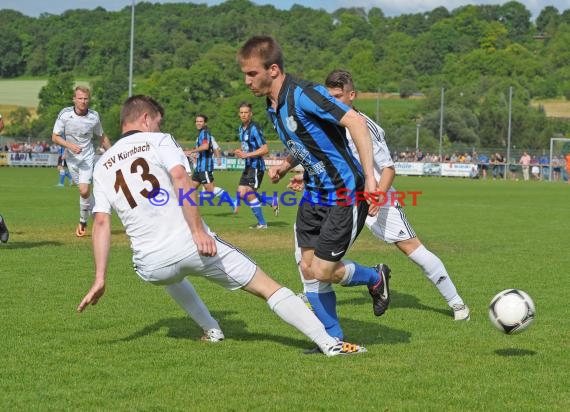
203, 177
330, 230
251, 177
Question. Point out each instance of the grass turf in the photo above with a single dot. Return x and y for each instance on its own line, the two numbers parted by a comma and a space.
136, 350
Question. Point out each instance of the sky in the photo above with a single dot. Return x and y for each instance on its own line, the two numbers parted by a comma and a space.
34, 8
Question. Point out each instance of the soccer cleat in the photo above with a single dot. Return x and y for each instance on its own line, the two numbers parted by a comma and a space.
381, 291
461, 312
4, 234
258, 226
344, 348
80, 231
213, 335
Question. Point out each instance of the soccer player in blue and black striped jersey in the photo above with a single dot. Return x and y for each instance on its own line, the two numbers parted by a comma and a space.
339, 191
204, 170
253, 148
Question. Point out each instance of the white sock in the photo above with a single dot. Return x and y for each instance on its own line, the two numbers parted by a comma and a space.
218, 191
84, 208
293, 310
435, 271
185, 295
349, 269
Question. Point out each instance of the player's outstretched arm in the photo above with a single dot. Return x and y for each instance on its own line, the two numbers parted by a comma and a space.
101, 245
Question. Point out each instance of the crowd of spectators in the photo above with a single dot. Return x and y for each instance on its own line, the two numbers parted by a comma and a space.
537, 167
28, 147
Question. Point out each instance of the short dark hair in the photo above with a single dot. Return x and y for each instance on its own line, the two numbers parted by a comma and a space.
340, 79
203, 116
246, 104
264, 47
138, 104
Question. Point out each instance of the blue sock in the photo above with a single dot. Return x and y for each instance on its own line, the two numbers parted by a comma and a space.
61, 178
357, 274
257, 212
324, 306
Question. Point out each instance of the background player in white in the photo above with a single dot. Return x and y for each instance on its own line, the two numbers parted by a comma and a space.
80, 125
144, 177
391, 224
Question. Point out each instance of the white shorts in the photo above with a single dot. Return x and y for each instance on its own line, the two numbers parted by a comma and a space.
81, 170
230, 268
390, 224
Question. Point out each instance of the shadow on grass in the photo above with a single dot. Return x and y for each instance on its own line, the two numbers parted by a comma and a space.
29, 245
373, 332
398, 300
515, 352
236, 329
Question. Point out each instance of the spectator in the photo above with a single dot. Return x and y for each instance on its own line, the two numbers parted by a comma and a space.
513, 167
498, 161
535, 169
556, 169
567, 158
544, 163
525, 164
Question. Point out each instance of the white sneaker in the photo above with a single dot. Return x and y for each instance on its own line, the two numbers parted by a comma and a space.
461, 312
344, 348
213, 335
258, 226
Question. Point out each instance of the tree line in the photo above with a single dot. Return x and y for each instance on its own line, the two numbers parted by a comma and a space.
184, 56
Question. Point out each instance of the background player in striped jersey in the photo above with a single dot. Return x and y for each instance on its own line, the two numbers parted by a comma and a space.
205, 152
169, 239
79, 124
391, 224
310, 123
253, 148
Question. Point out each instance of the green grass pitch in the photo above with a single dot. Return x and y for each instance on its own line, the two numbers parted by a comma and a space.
137, 351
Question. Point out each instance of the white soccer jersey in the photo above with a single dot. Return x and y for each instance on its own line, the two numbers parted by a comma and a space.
380, 151
390, 224
79, 130
123, 179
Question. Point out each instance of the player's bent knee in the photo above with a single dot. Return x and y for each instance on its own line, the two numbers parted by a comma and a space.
262, 285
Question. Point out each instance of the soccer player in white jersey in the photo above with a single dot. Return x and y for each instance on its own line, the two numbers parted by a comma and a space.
144, 178
390, 224
80, 125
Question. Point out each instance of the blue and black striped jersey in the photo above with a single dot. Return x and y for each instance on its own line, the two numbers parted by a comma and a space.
251, 139
307, 122
205, 161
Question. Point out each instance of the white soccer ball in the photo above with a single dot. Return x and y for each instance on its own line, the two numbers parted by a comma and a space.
511, 311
